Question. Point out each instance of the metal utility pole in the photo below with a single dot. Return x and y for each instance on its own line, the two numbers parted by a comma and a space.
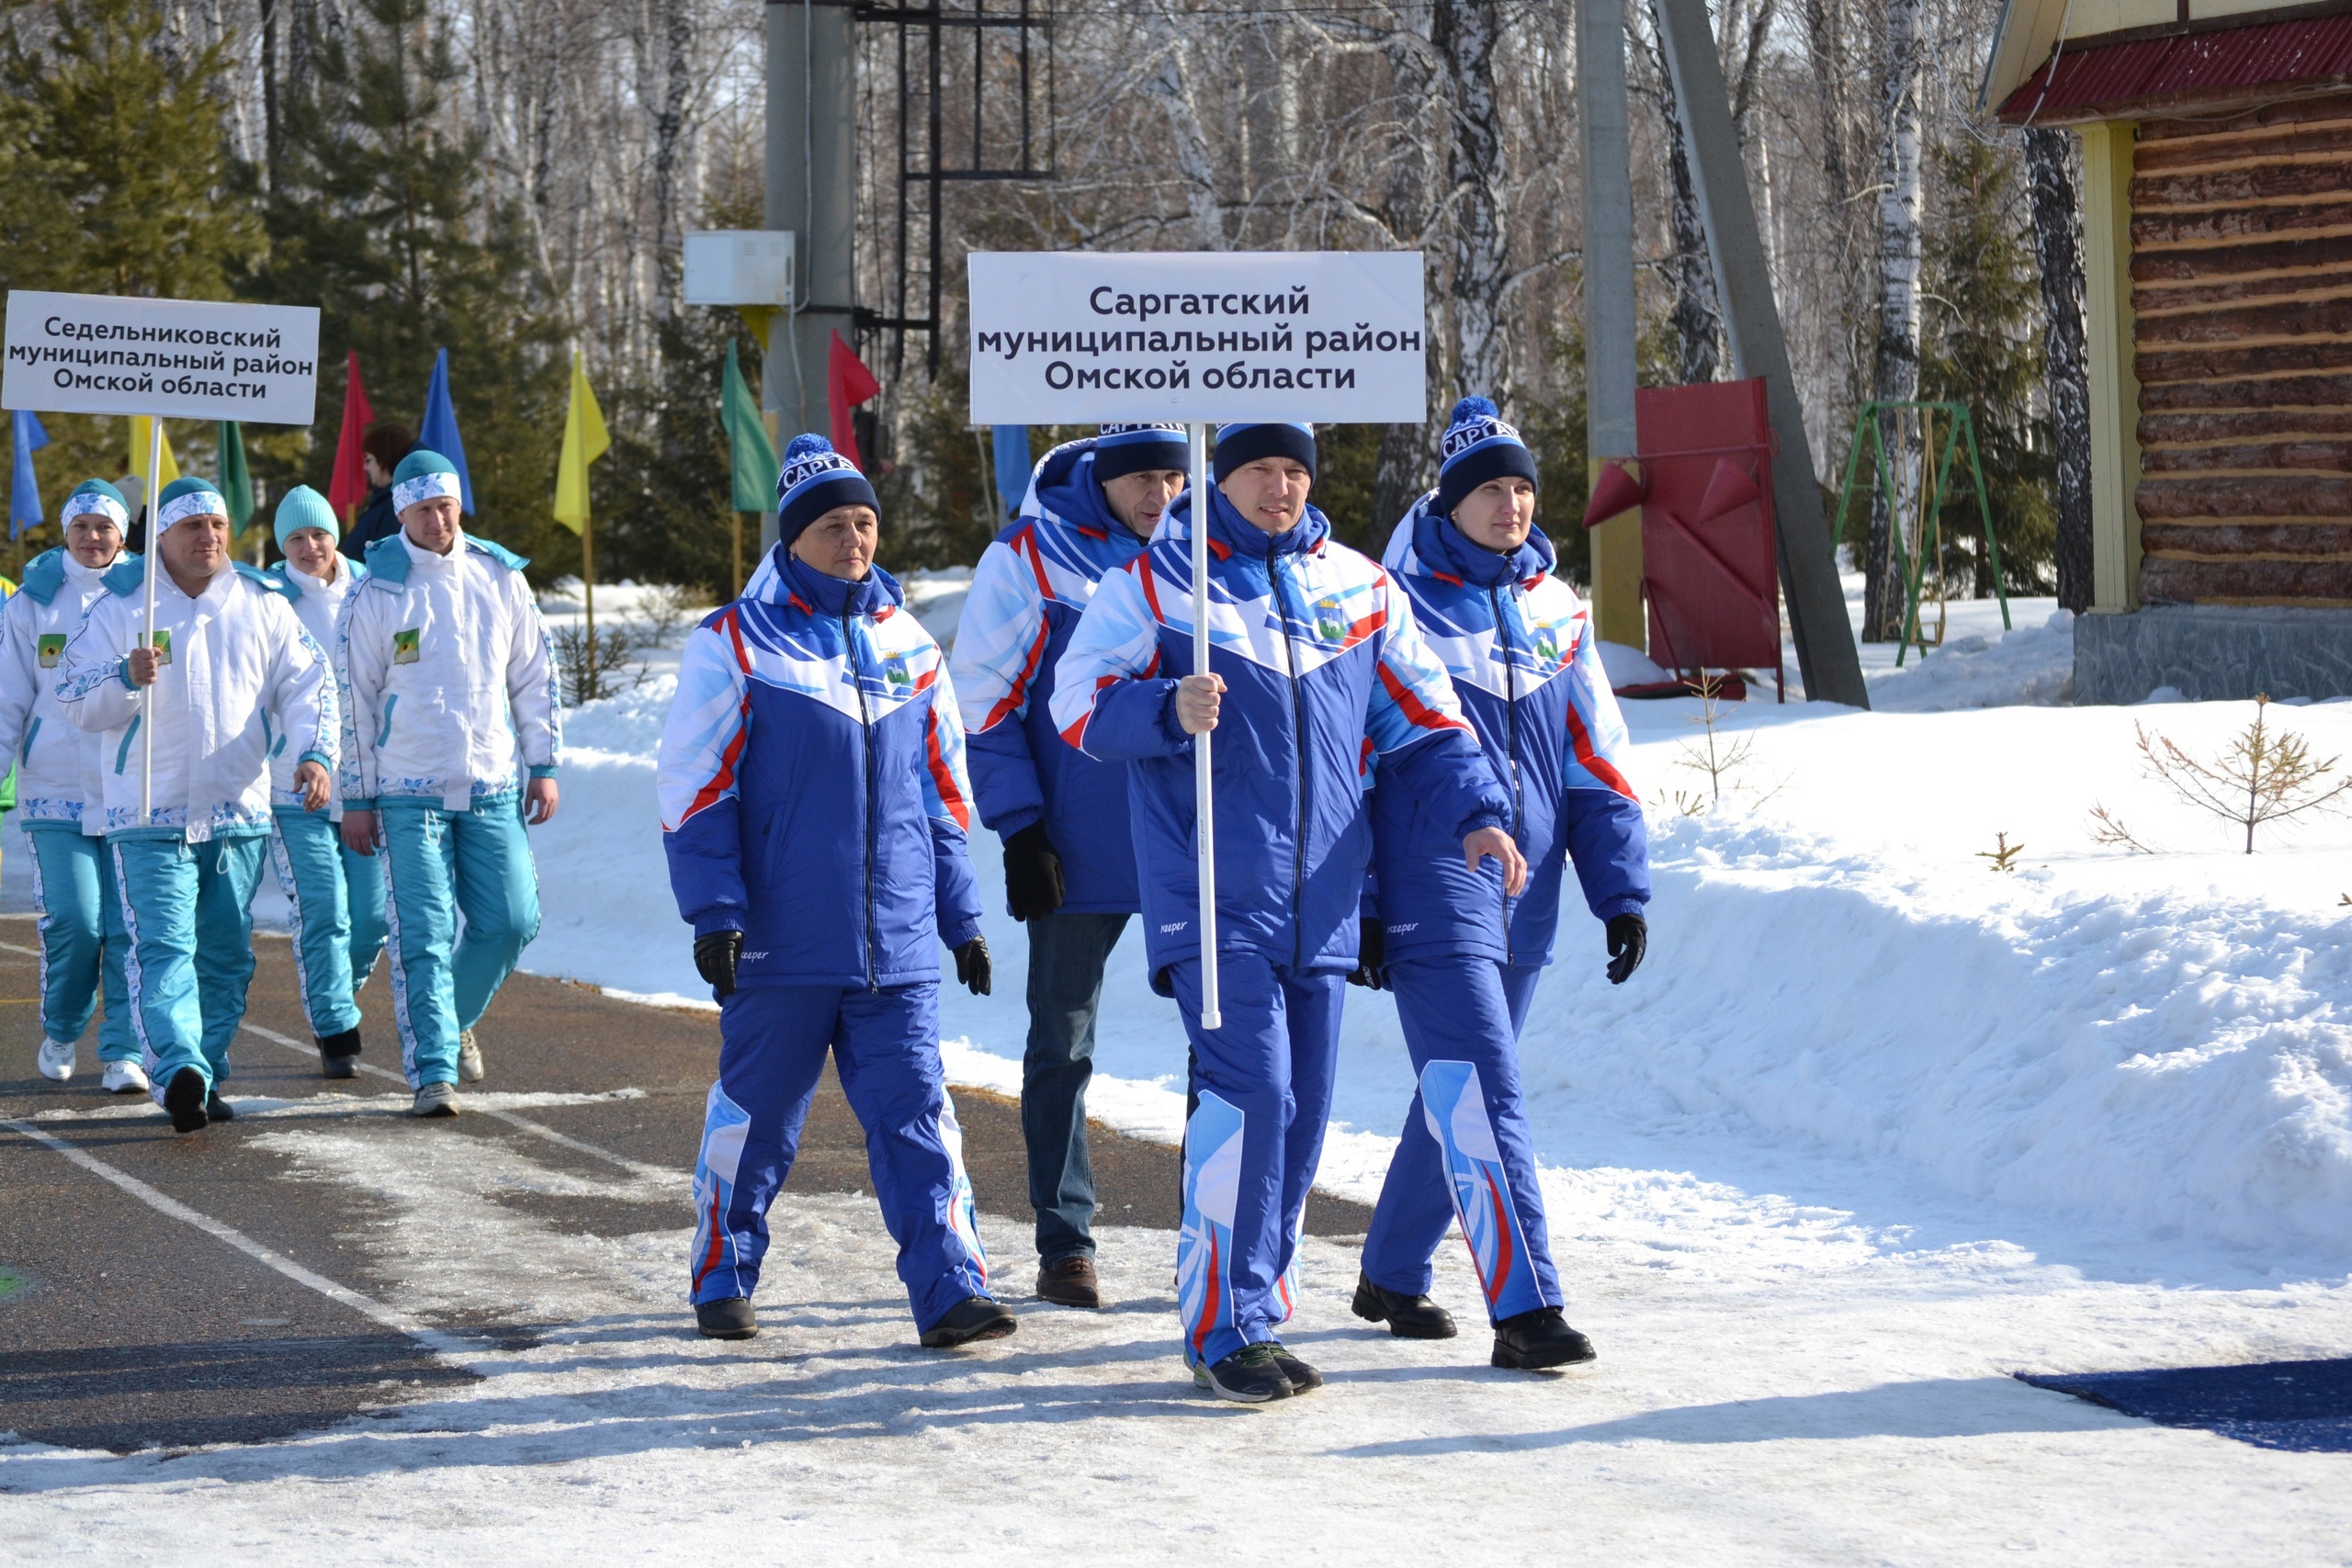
1816, 601
812, 191
1609, 321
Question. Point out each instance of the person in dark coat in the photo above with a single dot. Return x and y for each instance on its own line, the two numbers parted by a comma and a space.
381, 450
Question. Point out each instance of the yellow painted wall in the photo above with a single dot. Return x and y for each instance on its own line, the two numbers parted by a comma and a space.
2114, 384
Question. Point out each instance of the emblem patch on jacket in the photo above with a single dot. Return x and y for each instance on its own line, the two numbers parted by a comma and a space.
52, 648
163, 641
1327, 623
404, 645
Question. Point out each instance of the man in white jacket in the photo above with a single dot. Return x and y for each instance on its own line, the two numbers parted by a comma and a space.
449, 681
336, 896
57, 777
224, 670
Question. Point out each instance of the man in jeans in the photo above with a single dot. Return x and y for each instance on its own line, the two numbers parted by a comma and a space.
1069, 870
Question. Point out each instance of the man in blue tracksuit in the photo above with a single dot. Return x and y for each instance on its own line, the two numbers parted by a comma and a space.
1069, 867
814, 810
1316, 670
1461, 954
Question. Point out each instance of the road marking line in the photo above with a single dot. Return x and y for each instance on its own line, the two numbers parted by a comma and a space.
448, 1346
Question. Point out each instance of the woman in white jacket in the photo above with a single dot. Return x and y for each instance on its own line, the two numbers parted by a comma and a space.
223, 672
57, 771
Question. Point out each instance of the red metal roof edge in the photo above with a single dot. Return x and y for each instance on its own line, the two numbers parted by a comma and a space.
2074, 82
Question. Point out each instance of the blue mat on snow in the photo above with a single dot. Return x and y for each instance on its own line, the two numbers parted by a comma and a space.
2301, 1406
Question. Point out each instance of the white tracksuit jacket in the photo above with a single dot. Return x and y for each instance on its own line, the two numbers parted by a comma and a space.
447, 677
57, 761
319, 606
243, 673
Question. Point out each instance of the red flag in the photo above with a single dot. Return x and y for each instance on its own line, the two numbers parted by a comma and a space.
348, 485
847, 384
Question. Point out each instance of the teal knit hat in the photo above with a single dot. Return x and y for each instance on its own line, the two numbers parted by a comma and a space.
186, 498
423, 475
96, 497
301, 508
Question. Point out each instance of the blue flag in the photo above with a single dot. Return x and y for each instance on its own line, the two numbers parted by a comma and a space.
438, 431
1011, 465
24, 491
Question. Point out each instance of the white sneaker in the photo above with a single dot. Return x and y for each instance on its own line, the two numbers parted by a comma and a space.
470, 1068
56, 1059
124, 1077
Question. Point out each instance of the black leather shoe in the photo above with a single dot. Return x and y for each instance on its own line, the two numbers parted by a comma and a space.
217, 1108
184, 1099
339, 1055
974, 1317
1533, 1340
729, 1319
1409, 1318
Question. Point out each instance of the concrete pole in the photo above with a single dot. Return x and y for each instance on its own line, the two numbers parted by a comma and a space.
1609, 321
812, 191
1816, 601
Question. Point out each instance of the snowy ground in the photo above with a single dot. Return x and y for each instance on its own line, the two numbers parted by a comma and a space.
1874, 1127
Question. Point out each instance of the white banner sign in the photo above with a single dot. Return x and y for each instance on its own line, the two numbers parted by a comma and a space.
1075, 337
180, 358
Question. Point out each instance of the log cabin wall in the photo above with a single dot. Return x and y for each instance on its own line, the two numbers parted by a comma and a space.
2242, 295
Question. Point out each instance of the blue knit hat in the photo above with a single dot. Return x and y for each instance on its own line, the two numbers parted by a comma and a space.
423, 475
1239, 443
1478, 446
814, 480
94, 497
1132, 448
301, 508
186, 498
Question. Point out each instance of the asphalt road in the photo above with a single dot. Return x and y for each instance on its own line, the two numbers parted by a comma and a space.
124, 1325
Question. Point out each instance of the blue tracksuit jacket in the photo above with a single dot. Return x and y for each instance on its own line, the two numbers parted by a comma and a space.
1030, 587
812, 785
1526, 665
1323, 670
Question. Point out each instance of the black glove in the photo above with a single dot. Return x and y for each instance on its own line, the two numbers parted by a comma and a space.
715, 957
972, 965
1629, 938
1032, 873
1370, 947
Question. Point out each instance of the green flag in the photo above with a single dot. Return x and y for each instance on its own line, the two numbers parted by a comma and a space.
236, 478
752, 454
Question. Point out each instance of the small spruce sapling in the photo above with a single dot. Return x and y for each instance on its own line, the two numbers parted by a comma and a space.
2261, 778
2003, 854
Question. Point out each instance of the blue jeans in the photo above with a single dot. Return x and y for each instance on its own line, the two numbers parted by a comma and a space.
74, 894
437, 866
186, 911
1065, 957
336, 898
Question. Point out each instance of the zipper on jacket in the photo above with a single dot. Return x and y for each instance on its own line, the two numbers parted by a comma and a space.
1510, 745
1299, 724
865, 724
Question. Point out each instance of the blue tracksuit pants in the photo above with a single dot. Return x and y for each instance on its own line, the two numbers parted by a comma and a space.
437, 866
1252, 1144
72, 893
336, 897
1465, 1154
186, 911
885, 1043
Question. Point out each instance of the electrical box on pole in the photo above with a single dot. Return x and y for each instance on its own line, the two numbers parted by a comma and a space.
746, 268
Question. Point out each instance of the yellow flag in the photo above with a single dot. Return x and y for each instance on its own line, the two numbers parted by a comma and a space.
140, 437
584, 441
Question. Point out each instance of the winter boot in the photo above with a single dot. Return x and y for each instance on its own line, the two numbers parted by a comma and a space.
1532, 1340
436, 1099
729, 1319
184, 1099
1251, 1375
1301, 1376
124, 1077
1069, 1281
339, 1055
974, 1317
56, 1059
1409, 1318
217, 1108
469, 1065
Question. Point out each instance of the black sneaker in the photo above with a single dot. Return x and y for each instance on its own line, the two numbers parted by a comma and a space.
1252, 1375
1409, 1318
217, 1108
729, 1319
1302, 1376
1533, 1340
974, 1317
184, 1099
339, 1055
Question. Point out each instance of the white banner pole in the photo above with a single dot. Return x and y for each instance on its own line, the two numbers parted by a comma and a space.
147, 624
1203, 799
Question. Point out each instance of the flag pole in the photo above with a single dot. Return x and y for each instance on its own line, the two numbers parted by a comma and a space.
736, 518
147, 622
1202, 798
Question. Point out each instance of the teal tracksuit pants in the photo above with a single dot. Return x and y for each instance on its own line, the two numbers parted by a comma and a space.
187, 913
438, 864
72, 893
336, 899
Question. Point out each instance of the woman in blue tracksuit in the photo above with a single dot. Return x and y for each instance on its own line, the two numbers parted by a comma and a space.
1461, 955
814, 807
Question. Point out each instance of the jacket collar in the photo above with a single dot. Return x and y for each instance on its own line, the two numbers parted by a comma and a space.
53, 569
1232, 534
1065, 490
1427, 543
783, 579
